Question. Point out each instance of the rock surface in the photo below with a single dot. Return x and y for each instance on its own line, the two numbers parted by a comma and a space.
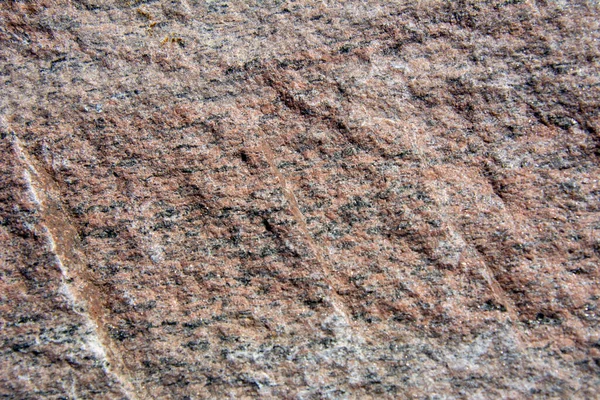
299, 199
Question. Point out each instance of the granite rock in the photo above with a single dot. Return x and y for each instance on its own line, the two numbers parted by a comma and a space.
299, 199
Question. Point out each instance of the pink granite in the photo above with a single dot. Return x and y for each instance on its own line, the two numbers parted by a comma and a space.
299, 199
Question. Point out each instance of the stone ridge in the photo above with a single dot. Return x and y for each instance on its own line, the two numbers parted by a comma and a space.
299, 199
47, 331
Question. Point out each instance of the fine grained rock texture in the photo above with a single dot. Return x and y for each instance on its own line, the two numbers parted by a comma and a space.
299, 199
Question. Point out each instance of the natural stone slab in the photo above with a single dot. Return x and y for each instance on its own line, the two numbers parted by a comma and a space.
299, 199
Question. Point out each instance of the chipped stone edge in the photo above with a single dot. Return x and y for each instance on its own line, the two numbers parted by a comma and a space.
97, 342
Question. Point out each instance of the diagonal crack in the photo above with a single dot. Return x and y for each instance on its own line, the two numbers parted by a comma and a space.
328, 272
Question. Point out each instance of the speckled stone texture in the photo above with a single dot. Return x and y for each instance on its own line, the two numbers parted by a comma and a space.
299, 199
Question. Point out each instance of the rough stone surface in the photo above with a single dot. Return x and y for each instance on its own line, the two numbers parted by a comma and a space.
299, 199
